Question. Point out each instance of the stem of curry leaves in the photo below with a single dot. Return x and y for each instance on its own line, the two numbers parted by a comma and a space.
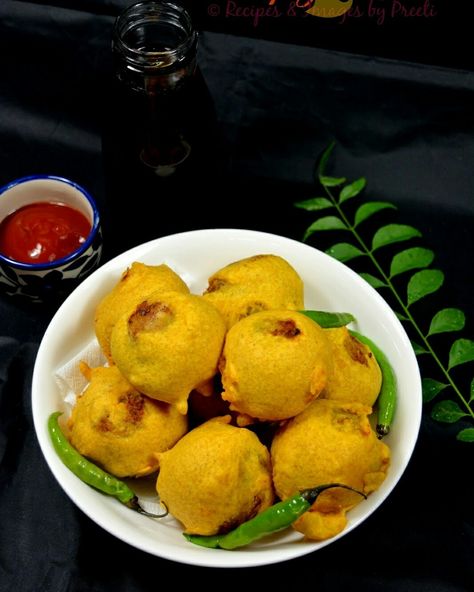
389, 284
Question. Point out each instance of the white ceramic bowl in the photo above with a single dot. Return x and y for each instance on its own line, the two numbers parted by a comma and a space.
329, 285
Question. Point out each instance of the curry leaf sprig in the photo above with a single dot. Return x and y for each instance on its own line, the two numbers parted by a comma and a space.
334, 216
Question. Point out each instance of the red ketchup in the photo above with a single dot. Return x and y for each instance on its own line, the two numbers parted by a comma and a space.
43, 232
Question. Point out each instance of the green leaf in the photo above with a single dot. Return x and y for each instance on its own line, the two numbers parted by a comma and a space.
315, 204
462, 351
332, 181
393, 233
415, 258
344, 252
401, 317
447, 412
323, 161
352, 190
326, 223
373, 281
471, 398
466, 435
423, 283
418, 349
369, 209
446, 320
329, 320
431, 388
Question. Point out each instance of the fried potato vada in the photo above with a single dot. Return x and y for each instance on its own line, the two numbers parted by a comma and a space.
215, 478
119, 428
169, 345
355, 375
274, 363
262, 282
135, 284
330, 441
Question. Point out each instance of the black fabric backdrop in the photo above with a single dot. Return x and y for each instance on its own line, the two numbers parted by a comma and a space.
406, 126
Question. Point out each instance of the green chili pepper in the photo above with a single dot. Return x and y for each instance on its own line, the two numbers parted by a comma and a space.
387, 398
273, 519
89, 472
329, 320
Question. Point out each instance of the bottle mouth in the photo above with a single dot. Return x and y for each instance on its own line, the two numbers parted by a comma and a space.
155, 35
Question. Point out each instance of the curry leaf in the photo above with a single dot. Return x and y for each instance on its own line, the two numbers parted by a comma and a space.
323, 161
418, 349
373, 281
447, 412
423, 283
446, 320
369, 209
461, 352
344, 252
414, 258
326, 223
332, 181
431, 388
329, 320
393, 233
466, 435
352, 190
314, 204
400, 316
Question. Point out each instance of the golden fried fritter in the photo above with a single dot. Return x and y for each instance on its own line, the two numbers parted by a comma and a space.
356, 375
119, 428
215, 478
169, 345
135, 284
331, 441
274, 364
262, 282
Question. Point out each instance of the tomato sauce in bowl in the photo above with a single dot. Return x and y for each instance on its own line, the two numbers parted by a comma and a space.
50, 237
43, 232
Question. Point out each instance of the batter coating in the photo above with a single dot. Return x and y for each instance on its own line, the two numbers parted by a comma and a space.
331, 441
119, 428
262, 282
135, 284
215, 478
355, 375
274, 364
169, 345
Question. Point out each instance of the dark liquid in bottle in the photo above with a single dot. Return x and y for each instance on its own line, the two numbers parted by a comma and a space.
161, 164
168, 126
160, 143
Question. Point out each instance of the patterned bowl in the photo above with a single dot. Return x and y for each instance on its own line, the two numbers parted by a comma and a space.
40, 282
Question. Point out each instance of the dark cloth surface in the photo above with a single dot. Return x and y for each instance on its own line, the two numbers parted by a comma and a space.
407, 127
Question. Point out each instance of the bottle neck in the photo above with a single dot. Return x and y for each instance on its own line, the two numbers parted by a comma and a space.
154, 46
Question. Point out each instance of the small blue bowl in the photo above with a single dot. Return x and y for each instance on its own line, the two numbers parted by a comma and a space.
42, 281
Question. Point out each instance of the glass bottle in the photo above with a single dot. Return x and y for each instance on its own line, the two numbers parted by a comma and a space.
162, 130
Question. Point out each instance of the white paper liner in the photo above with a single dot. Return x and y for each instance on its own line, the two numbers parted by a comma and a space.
70, 380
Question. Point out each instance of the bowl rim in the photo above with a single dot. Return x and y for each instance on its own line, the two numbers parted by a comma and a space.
74, 254
86, 499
